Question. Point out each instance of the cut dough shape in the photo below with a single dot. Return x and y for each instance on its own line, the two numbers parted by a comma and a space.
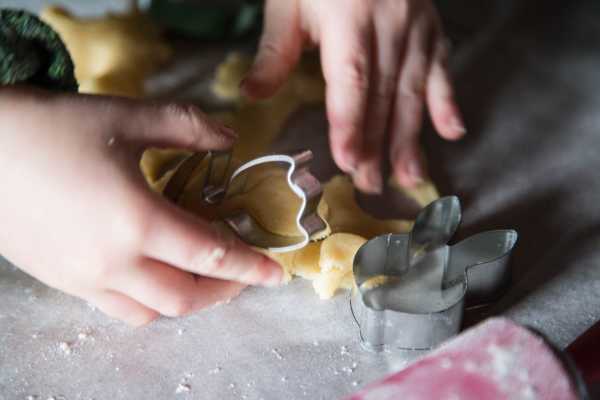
113, 54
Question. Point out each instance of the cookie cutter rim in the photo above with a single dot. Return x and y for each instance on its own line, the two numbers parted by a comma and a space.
299, 179
481, 268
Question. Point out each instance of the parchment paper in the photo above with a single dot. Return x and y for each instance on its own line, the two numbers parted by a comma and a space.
527, 84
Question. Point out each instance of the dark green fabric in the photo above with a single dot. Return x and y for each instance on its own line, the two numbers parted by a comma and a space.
31, 52
209, 20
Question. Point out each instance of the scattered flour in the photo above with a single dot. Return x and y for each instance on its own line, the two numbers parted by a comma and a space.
65, 347
344, 351
215, 370
183, 388
445, 363
277, 354
470, 366
502, 360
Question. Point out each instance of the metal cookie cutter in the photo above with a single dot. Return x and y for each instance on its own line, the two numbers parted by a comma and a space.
412, 288
216, 188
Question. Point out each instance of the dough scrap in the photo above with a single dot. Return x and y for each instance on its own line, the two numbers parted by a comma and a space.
336, 262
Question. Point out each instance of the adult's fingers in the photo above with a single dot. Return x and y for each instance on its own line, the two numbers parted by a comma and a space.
278, 52
160, 124
390, 21
177, 238
345, 56
122, 307
440, 95
407, 114
169, 290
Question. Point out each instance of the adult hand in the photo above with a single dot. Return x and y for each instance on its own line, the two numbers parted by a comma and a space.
382, 60
77, 214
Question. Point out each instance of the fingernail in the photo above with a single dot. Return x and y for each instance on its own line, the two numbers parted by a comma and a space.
415, 170
349, 164
457, 125
276, 278
375, 181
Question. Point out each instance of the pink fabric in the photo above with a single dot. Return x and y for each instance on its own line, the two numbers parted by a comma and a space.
494, 360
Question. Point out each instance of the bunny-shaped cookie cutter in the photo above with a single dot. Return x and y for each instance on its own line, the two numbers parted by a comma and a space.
412, 288
216, 188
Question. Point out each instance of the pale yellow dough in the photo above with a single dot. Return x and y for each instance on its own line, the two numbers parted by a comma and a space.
113, 55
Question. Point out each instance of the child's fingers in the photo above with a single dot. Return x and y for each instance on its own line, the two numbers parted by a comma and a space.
278, 51
162, 124
168, 290
440, 96
122, 307
177, 238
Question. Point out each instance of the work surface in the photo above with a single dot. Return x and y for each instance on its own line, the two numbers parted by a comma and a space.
528, 89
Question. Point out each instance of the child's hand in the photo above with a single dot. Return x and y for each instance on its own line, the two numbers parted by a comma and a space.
381, 60
77, 214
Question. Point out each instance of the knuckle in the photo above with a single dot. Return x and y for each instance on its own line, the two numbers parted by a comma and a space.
271, 49
413, 87
355, 73
347, 129
385, 87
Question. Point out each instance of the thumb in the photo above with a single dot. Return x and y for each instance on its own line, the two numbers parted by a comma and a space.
278, 51
160, 124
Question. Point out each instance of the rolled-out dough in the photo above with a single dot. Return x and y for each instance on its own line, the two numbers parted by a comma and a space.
113, 55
